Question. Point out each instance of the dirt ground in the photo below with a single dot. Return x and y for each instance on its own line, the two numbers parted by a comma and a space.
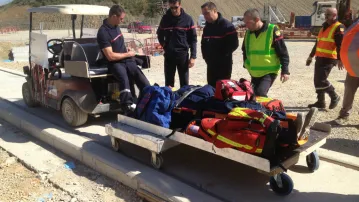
21, 184
80, 183
296, 93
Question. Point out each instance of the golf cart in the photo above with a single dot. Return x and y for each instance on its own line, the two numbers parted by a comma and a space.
69, 74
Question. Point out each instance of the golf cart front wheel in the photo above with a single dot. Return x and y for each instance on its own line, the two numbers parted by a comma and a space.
281, 184
72, 114
27, 96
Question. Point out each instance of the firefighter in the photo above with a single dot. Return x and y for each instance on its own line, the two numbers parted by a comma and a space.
349, 56
264, 53
177, 34
327, 52
121, 63
219, 41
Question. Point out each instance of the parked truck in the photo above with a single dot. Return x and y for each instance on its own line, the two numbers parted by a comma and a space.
345, 15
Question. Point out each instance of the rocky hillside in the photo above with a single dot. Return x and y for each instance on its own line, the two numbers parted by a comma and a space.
15, 13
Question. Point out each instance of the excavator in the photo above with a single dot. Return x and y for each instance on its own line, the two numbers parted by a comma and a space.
345, 14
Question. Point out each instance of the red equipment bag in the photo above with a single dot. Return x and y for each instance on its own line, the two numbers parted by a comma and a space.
271, 104
225, 133
229, 89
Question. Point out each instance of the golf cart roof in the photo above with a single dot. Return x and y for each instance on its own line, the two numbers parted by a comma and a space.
72, 9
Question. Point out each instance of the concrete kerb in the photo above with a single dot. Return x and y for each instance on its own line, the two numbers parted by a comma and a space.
149, 183
10, 71
339, 158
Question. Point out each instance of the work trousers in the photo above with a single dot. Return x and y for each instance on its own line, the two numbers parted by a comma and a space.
261, 85
218, 70
351, 86
323, 67
179, 62
126, 74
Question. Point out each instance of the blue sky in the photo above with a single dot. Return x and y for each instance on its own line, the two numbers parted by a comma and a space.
2, 2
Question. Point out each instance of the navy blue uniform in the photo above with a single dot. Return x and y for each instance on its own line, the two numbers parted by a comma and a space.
126, 70
177, 34
219, 41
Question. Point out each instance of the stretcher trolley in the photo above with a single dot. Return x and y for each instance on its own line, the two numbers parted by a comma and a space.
157, 139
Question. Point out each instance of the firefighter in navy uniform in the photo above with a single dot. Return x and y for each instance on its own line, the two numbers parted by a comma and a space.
264, 53
121, 62
327, 52
219, 41
177, 34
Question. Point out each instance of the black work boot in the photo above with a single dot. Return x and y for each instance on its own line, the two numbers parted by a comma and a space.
320, 104
335, 98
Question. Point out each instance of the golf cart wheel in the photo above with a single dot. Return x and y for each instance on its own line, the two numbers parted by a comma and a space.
156, 161
27, 96
115, 144
72, 114
313, 161
281, 184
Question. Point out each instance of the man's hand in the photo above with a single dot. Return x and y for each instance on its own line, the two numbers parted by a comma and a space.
191, 63
131, 53
340, 65
284, 78
309, 61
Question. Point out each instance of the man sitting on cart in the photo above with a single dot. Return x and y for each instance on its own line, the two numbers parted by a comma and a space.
121, 62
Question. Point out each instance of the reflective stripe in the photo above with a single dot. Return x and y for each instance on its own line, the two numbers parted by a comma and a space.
258, 52
258, 68
235, 144
125, 91
322, 88
259, 150
263, 99
326, 39
326, 51
211, 132
238, 112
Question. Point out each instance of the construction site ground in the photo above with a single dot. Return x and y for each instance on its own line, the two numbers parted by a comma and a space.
296, 93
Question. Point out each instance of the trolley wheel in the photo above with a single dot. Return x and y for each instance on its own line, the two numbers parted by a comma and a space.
115, 144
281, 184
313, 161
156, 160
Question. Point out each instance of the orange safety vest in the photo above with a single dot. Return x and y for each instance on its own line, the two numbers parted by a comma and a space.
326, 46
349, 52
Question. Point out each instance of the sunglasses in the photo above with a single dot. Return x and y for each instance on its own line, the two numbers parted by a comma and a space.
174, 7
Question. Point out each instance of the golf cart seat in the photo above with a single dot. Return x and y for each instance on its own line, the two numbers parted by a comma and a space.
84, 61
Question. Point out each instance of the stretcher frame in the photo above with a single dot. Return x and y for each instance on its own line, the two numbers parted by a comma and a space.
157, 140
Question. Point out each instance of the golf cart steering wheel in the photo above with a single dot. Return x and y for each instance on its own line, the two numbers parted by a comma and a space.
56, 46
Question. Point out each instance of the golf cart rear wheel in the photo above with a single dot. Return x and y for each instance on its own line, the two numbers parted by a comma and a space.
27, 96
72, 114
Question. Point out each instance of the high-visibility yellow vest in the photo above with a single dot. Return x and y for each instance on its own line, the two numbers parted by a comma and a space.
261, 56
326, 46
349, 52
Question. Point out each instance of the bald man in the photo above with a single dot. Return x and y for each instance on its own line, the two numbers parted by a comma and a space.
327, 53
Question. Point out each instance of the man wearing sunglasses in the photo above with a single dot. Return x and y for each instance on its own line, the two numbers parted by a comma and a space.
219, 41
327, 52
177, 34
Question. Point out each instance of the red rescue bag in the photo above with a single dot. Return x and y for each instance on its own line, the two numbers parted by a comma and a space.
229, 89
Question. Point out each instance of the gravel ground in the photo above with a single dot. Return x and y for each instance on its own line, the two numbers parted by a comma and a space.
81, 183
21, 184
296, 93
